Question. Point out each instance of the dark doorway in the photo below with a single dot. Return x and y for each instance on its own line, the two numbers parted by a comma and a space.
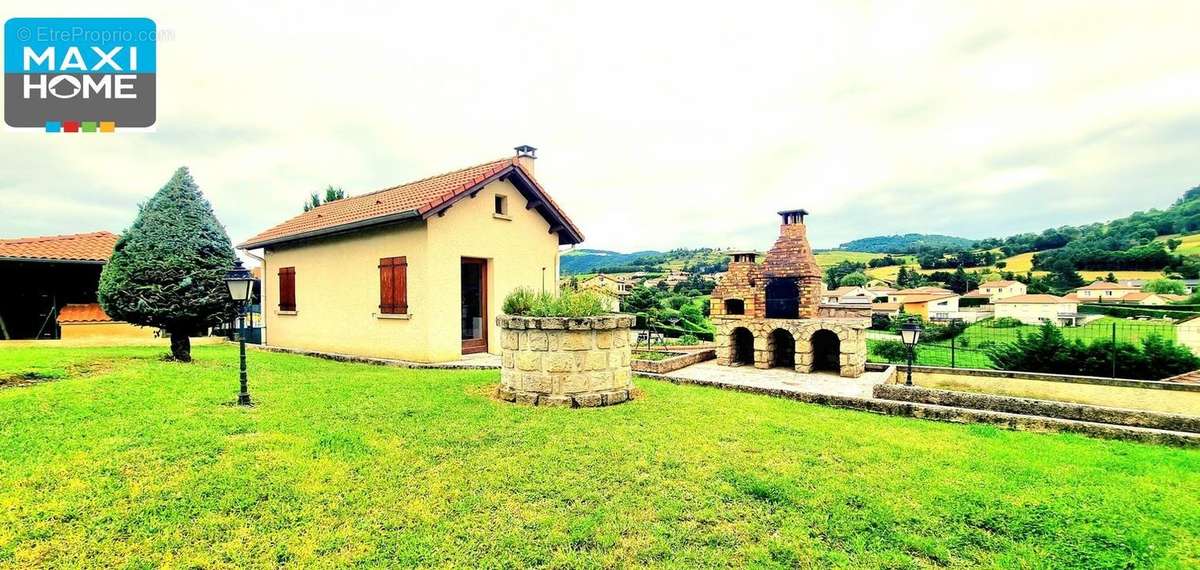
741, 347
474, 305
783, 298
827, 350
783, 354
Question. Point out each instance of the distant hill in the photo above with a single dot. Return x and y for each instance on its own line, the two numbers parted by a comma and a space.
578, 261
704, 260
906, 243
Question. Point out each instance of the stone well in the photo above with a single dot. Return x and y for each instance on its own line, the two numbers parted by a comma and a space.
558, 361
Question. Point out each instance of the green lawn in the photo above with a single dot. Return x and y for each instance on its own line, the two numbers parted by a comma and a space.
122, 460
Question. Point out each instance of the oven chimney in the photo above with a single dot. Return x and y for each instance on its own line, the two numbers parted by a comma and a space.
525, 157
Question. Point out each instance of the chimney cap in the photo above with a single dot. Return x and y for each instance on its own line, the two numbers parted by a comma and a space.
793, 216
526, 150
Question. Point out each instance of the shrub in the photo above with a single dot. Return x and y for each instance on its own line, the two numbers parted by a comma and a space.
688, 339
1047, 350
1006, 323
891, 350
524, 302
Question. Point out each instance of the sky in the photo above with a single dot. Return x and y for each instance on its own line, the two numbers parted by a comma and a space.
658, 125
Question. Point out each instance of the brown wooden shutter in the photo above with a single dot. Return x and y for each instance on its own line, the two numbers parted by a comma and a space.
287, 288
393, 285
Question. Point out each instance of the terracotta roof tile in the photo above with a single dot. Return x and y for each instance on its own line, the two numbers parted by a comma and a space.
1001, 283
95, 246
83, 313
418, 198
1104, 285
1037, 299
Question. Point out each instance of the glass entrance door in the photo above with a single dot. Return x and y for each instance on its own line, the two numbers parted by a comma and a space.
474, 305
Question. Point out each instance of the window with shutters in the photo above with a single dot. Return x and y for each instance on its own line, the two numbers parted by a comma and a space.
287, 288
393, 286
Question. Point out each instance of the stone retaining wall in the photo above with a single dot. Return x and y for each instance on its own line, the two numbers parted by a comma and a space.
680, 360
557, 361
1028, 406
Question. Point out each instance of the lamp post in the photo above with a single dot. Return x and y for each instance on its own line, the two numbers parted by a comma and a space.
910, 334
239, 282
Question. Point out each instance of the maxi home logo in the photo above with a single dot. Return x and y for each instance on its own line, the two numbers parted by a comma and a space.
79, 74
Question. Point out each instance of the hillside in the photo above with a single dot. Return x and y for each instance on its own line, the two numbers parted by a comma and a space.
906, 243
582, 261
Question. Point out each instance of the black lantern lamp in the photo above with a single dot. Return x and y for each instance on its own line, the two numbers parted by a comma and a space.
910, 335
240, 284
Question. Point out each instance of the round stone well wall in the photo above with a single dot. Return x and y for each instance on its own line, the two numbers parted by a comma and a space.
560, 361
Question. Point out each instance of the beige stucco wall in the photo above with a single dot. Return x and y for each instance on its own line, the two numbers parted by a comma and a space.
337, 280
1033, 313
110, 330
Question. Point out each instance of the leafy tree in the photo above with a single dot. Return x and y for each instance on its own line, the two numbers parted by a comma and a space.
1169, 286
834, 274
639, 299
1001, 264
332, 194
168, 268
1173, 244
856, 279
1110, 277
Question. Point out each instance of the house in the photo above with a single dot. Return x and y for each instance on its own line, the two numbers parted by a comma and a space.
1143, 298
1037, 309
878, 284
610, 300
1103, 292
78, 321
931, 306
417, 271
848, 295
617, 286
902, 295
888, 309
880, 293
39, 276
996, 290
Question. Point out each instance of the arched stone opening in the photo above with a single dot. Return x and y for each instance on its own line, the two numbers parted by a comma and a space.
783, 349
827, 350
741, 347
783, 298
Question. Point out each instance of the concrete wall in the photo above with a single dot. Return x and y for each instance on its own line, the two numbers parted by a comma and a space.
337, 280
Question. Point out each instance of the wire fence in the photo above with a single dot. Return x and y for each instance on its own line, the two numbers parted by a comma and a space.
1091, 345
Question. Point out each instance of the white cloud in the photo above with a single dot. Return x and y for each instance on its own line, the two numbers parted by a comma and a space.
659, 125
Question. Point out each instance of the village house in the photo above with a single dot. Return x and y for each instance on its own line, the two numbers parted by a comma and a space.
416, 271
617, 286
1143, 298
1103, 292
996, 290
848, 295
931, 306
902, 295
1037, 309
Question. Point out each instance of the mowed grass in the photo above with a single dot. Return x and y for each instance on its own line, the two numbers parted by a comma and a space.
121, 460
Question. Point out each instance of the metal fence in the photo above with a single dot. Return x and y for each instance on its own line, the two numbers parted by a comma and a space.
1099, 346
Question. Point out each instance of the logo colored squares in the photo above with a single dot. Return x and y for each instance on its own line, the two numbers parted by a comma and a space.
81, 126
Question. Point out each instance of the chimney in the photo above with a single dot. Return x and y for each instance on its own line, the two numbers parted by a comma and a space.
525, 157
792, 256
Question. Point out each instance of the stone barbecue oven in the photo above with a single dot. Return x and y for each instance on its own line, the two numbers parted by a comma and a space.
770, 315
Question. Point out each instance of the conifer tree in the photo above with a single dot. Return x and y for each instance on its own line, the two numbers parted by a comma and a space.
168, 268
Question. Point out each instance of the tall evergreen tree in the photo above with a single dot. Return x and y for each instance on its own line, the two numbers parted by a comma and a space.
168, 268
